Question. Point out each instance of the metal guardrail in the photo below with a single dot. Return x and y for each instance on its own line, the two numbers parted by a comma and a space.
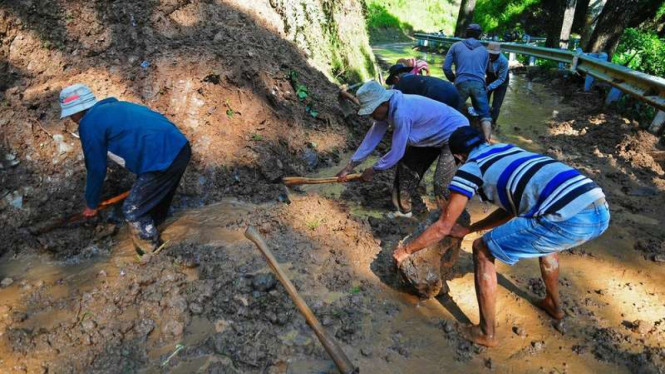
647, 88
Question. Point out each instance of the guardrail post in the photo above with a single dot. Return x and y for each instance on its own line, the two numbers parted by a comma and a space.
588, 81
658, 123
532, 61
614, 95
511, 56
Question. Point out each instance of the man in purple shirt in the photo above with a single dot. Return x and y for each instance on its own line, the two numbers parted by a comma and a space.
421, 128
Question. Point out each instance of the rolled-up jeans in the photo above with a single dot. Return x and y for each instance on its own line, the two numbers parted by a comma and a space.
478, 94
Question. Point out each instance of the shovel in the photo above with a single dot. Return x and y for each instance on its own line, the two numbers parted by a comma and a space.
55, 223
292, 181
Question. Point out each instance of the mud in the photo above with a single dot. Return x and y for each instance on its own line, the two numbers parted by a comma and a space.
207, 303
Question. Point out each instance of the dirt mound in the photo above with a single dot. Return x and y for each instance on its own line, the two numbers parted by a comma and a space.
253, 104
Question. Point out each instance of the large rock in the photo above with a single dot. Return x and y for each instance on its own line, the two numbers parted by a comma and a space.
428, 270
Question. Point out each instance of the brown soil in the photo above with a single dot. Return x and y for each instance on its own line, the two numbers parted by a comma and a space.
221, 71
77, 300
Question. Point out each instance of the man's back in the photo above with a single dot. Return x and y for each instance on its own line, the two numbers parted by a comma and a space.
430, 87
470, 59
524, 183
144, 140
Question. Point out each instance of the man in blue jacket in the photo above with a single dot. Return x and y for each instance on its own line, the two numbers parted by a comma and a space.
470, 59
431, 87
139, 139
497, 79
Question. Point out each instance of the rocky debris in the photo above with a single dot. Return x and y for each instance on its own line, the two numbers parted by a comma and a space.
6, 282
264, 282
428, 270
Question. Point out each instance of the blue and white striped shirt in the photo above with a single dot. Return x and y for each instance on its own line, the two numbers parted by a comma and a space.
524, 183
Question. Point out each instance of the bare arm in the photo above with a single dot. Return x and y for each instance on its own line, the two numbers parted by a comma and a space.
441, 228
496, 218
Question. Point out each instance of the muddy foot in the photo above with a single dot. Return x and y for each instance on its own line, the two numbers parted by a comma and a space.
475, 334
547, 305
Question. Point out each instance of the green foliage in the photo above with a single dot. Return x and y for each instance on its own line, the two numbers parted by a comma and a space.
313, 224
641, 50
257, 137
355, 290
502, 15
409, 15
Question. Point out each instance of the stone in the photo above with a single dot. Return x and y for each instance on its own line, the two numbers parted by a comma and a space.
428, 270
659, 258
264, 282
6, 282
366, 351
196, 308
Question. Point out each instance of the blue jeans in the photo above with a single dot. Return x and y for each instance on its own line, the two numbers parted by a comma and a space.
497, 97
475, 90
537, 237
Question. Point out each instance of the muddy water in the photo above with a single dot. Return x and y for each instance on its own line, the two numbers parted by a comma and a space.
400, 333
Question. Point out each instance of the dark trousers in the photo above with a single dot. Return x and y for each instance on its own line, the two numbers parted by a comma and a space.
412, 168
496, 98
150, 198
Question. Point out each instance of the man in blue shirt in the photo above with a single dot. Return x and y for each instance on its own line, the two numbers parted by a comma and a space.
139, 139
431, 87
497, 79
544, 206
470, 59
421, 128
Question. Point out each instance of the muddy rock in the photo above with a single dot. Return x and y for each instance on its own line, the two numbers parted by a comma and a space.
264, 282
428, 270
6, 282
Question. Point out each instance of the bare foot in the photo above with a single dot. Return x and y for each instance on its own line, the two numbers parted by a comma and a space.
547, 305
475, 334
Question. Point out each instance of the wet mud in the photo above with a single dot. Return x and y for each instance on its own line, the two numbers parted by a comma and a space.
209, 304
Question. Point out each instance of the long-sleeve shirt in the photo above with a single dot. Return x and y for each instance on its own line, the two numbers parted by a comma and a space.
430, 87
417, 122
132, 135
470, 59
499, 68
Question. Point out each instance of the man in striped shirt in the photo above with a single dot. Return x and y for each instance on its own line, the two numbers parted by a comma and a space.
544, 205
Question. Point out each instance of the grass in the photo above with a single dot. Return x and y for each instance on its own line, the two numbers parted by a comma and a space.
409, 16
313, 224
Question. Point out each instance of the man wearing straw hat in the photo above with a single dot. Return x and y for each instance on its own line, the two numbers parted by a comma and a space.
144, 142
421, 128
497, 79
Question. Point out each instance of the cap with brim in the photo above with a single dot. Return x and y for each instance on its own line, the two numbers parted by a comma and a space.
76, 98
371, 95
474, 27
494, 48
396, 70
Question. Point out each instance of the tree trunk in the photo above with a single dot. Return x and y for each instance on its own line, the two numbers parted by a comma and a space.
567, 24
616, 16
465, 17
581, 11
591, 19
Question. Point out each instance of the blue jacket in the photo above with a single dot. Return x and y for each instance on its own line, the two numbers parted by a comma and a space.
470, 58
499, 68
430, 87
134, 136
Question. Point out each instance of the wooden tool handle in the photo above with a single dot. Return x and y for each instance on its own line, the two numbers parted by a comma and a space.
53, 224
291, 181
339, 357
